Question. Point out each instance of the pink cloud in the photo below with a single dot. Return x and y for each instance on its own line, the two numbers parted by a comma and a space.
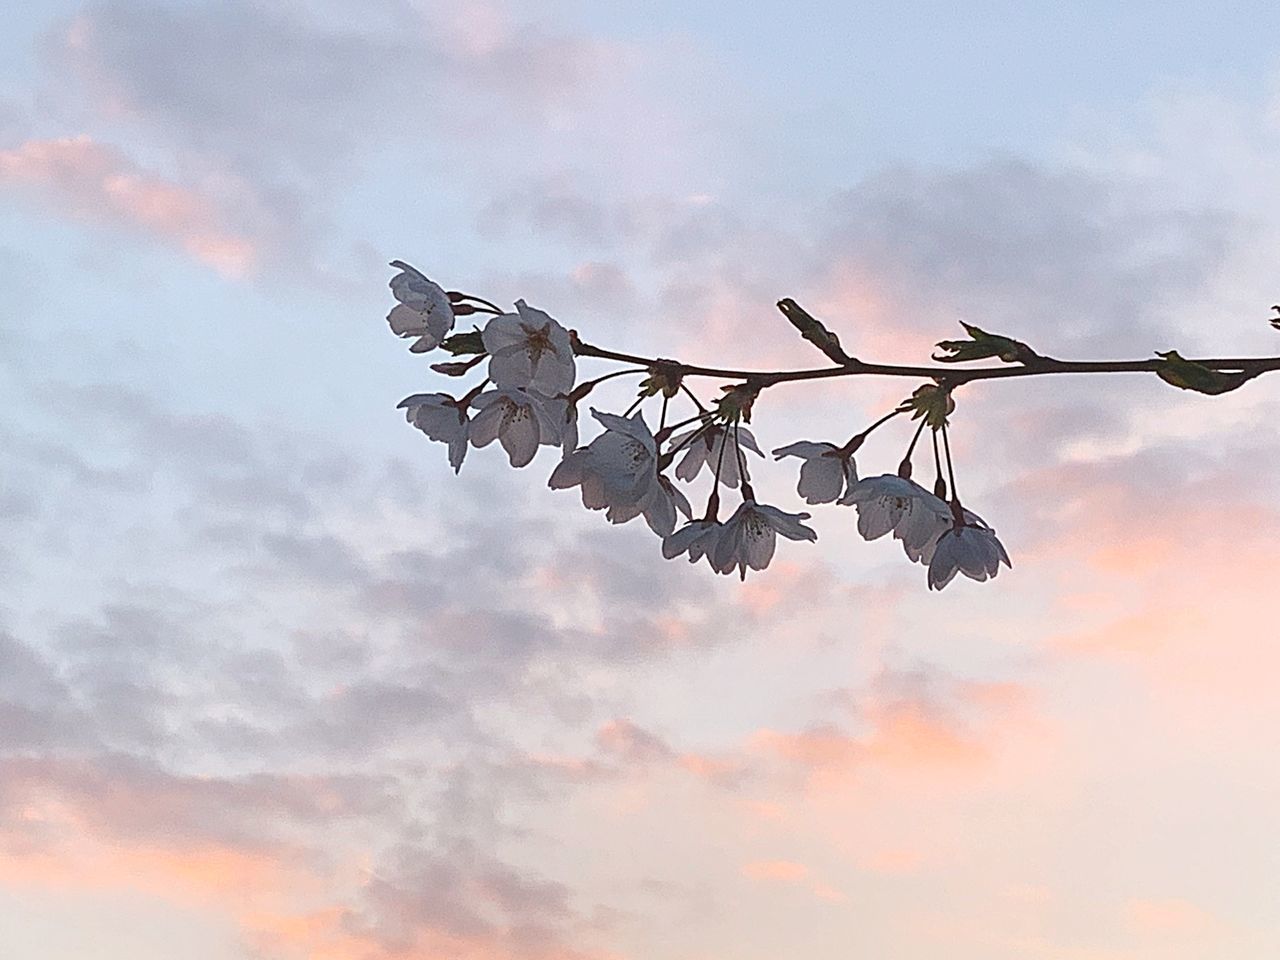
790, 873
904, 735
775, 871
893, 860
1166, 917
630, 743
71, 827
96, 183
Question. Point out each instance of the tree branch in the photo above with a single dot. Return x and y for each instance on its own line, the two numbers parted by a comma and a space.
952, 375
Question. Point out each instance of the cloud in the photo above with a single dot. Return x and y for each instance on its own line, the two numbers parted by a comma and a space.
96, 183
1169, 917
134, 802
775, 871
1063, 258
1072, 261
285, 92
943, 728
420, 902
631, 744
300, 687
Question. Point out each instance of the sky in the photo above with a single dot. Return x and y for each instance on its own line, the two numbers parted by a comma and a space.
276, 685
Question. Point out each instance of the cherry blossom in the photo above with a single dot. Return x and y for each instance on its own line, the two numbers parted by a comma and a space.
658, 507
529, 349
827, 472
892, 503
921, 526
424, 310
697, 538
518, 419
715, 447
969, 549
443, 418
617, 471
749, 536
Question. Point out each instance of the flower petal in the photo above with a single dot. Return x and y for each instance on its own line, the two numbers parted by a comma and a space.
821, 479
803, 448
520, 434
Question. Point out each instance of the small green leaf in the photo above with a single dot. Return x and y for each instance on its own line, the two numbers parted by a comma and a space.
463, 343
1189, 375
982, 345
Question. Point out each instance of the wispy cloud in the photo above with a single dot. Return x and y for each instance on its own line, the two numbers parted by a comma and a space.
97, 183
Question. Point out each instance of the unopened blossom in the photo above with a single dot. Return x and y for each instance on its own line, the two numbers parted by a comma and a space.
617, 471
750, 537
518, 419
717, 448
893, 503
827, 472
529, 349
698, 538
424, 311
969, 549
441, 417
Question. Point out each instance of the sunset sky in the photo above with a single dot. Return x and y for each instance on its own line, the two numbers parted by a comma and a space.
276, 685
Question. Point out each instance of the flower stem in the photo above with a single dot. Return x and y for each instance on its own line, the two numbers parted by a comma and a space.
747, 492
856, 440
692, 396
715, 486
956, 510
904, 468
582, 389
939, 485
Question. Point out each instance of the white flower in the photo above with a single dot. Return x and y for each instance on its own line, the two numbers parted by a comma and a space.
890, 502
440, 417
529, 349
750, 536
921, 530
826, 473
970, 549
715, 446
698, 538
658, 507
518, 418
424, 310
566, 415
618, 471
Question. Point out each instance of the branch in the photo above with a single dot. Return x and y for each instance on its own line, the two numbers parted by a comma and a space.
1031, 368
530, 398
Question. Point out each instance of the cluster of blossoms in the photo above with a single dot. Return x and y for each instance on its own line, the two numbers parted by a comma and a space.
530, 394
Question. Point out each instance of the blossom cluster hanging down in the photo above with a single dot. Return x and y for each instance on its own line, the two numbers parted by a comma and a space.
530, 393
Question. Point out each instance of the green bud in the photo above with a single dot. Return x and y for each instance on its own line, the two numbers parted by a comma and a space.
1189, 375
463, 343
813, 330
982, 345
